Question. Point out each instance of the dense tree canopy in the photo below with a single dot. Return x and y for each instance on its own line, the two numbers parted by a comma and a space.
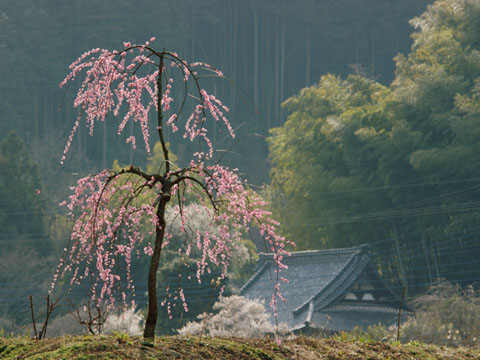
397, 167
269, 49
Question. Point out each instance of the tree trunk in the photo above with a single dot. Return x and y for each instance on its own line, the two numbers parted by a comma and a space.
152, 314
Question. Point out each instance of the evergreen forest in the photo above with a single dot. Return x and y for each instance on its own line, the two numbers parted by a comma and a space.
355, 119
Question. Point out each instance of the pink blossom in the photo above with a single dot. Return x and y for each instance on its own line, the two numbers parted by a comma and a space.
132, 140
115, 213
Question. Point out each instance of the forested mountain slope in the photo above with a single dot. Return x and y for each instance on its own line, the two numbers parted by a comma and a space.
396, 167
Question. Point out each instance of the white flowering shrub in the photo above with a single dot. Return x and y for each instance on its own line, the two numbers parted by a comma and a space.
234, 316
129, 322
197, 219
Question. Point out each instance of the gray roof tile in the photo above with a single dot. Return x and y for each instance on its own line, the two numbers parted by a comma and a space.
317, 280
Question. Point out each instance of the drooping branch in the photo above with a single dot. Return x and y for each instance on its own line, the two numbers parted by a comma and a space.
203, 186
160, 115
116, 207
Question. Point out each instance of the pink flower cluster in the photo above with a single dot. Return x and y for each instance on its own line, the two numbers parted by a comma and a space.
118, 212
113, 81
241, 209
111, 225
115, 214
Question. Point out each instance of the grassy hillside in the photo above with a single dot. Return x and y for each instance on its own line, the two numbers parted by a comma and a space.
123, 347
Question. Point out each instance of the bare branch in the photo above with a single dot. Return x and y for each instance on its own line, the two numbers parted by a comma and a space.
33, 318
204, 188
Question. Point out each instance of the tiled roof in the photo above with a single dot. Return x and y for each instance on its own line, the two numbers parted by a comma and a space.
317, 281
310, 274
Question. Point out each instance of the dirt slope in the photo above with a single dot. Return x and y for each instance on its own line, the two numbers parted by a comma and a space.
173, 347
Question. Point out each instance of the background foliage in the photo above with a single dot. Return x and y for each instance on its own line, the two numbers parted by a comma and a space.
255, 43
384, 152
396, 167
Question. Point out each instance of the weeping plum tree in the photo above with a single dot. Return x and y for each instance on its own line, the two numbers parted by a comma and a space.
115, 212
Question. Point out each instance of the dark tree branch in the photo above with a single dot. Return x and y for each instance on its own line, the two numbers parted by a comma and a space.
203, 186
33, 318
50, 307
160, 116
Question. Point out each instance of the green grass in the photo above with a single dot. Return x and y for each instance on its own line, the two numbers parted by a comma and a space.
120, 346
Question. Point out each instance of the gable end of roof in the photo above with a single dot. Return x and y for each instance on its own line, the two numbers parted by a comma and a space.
345, 278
